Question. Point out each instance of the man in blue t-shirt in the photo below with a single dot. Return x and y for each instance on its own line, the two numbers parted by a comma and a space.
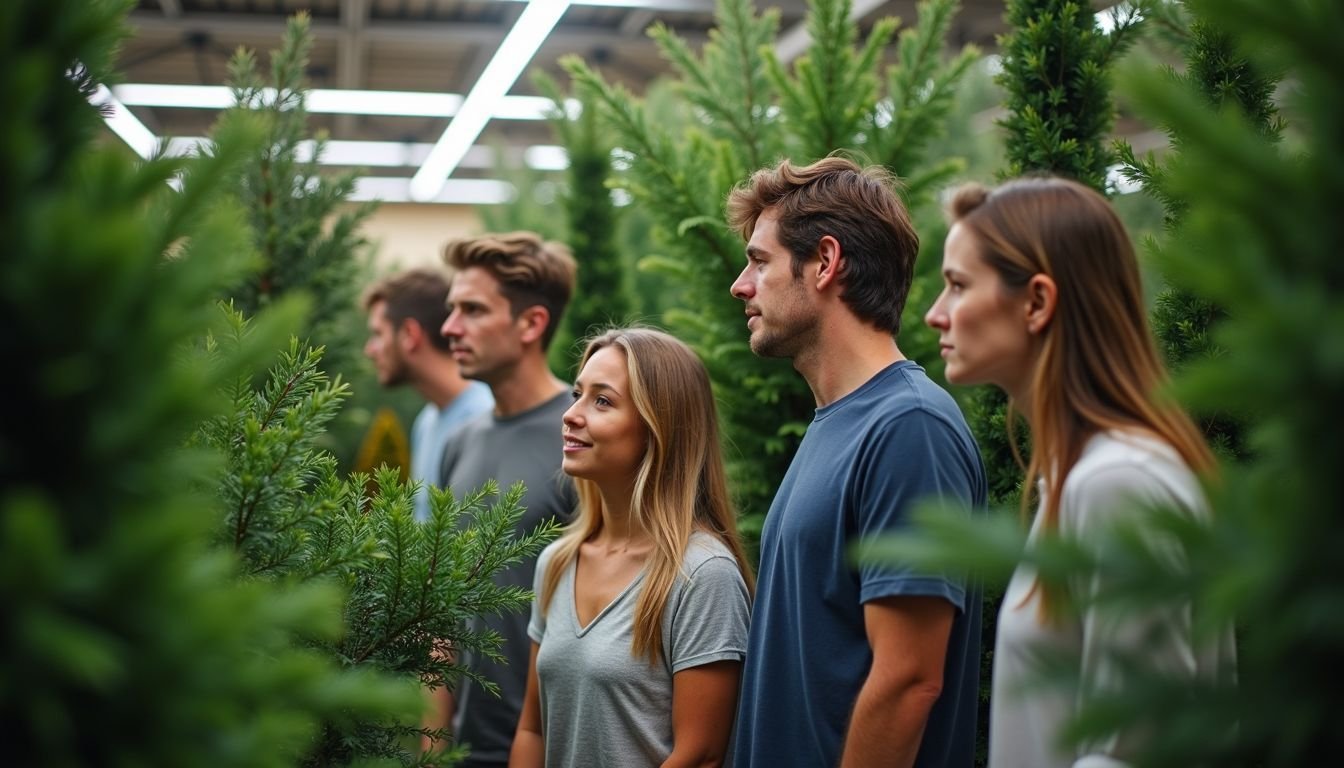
851, 665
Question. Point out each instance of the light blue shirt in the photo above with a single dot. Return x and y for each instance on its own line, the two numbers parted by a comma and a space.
430, 433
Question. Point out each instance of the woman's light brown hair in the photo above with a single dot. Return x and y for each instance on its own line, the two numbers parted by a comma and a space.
680, 486
1098, 368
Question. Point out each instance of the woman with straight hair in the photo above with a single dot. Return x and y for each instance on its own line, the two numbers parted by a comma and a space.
639, 626
1042, 298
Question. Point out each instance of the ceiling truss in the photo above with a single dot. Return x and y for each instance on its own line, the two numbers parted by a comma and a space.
435, 47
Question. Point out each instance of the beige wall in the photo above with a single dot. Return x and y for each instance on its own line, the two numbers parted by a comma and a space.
407, 234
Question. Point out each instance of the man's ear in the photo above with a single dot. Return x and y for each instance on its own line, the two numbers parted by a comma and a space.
410, 335
532, 323
830, 261
1042, 297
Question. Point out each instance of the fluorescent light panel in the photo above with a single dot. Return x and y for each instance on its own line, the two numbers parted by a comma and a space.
458, 191
338, 101
391, 190
125, 124
517, 50
394, 154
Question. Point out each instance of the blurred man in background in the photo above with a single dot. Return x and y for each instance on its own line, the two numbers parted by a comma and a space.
406, 312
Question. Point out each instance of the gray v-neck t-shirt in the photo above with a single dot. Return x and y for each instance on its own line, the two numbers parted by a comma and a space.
602, 707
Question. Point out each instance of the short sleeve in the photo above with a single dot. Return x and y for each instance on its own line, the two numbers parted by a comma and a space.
711, 617
452, 449
916, 457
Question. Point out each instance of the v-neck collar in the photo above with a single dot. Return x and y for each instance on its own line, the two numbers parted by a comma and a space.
579, 629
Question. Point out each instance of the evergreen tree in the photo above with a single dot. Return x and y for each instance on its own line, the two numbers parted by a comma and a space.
411, 587
1056, 71
1056, 65
304, 240
601, 298
751, 111
303, 229
127, 639
1182, 321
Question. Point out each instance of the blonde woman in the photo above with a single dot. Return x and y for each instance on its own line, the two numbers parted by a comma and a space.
640, 623
1042, 298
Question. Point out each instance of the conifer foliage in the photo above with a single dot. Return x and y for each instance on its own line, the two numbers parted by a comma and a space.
1227, 79
127, 640
1056, 64
751, 111
304, 240
410, 587
1269, 560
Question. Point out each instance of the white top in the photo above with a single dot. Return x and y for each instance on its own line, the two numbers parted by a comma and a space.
601, 707
1117, 478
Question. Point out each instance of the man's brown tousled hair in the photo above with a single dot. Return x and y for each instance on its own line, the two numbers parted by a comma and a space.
857, 206
531, 271
416, 294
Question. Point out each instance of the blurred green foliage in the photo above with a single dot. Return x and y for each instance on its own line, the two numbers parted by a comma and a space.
185, 578
1257, 234
127, 639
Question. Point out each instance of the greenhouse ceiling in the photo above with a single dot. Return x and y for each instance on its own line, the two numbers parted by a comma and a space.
420, 93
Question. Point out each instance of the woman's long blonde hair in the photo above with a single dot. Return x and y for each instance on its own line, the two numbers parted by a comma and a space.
1098, 368
680, 486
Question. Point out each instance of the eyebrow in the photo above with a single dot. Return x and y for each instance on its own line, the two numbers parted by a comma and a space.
598, 385
756, 251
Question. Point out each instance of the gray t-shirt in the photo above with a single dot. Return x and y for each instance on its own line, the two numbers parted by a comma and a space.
430, 432
600, 706
527, 446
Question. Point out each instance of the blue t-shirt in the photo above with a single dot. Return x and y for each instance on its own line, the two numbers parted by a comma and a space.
865, 460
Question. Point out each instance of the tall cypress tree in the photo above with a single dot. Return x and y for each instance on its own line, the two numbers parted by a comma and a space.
601, 296
1056, 74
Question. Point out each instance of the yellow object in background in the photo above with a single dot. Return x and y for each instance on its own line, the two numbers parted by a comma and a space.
384, 443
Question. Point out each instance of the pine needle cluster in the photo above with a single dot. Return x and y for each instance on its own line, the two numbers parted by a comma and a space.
410, 587
1056, 72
